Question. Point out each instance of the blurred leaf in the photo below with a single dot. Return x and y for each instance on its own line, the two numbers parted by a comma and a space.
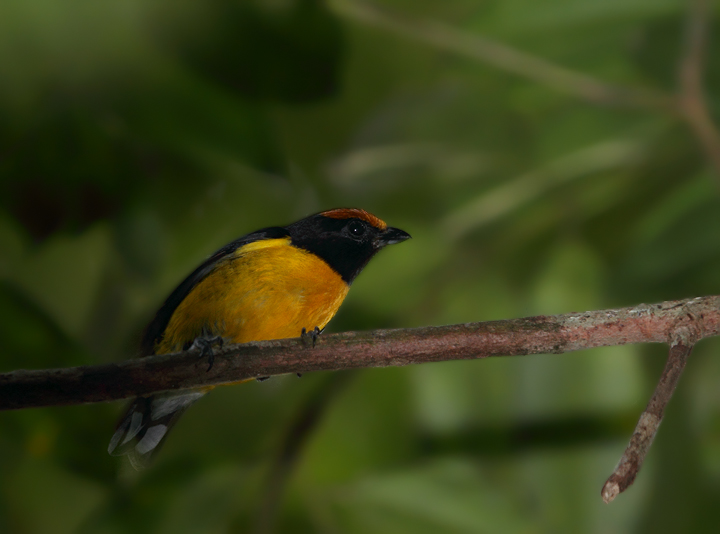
513, 194
288, 50
29, 336
361, 432
63, 276
571, 280
448, 496
12, 244
207, 505
190, 118
47, 499
64, 174
678, 203
557, 15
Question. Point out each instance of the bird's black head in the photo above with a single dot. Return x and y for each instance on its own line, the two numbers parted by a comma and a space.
344, 238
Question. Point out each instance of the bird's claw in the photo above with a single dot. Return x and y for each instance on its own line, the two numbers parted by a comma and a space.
204, 344
313, 334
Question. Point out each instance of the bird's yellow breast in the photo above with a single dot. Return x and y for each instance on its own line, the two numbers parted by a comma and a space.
267, 289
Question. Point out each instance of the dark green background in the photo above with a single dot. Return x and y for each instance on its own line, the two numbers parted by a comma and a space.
138, 136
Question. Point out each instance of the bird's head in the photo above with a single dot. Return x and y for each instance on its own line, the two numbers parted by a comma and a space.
345, 238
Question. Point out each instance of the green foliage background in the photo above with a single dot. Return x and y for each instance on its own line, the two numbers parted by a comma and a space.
138, 136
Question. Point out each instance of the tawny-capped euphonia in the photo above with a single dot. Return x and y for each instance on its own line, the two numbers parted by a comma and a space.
275, 283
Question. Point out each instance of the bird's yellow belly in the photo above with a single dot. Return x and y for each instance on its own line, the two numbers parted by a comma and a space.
266, 290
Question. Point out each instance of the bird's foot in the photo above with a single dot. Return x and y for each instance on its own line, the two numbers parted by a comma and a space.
313, 334
204, 345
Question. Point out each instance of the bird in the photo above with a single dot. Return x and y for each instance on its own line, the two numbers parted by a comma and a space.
274, 283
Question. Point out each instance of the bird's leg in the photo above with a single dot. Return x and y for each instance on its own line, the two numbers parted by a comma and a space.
313, 334
204, 344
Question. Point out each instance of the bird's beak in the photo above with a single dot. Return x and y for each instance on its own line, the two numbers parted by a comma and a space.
391, 236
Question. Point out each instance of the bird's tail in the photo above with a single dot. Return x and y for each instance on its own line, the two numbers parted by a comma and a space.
145, 424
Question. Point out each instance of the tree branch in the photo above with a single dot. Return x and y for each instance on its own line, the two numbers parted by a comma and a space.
631, 461
679, 323
657, 323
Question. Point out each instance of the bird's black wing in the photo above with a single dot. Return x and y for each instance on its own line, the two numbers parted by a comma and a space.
154, 331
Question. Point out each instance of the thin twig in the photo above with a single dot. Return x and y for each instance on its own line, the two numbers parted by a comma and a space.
683, 340
504, 57
691, 100
381, 348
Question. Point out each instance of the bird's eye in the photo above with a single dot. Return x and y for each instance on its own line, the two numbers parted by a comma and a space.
356, 229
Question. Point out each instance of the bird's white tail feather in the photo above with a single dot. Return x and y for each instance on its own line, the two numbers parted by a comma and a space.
146, 423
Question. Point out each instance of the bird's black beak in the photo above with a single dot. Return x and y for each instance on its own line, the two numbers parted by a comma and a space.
391, 236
